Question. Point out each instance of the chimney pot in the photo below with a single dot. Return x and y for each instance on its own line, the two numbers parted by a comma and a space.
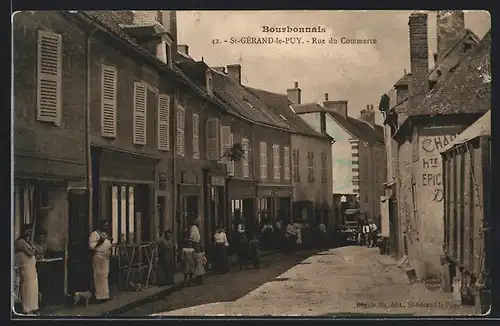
368, 107
326, 96
296, 84
405, 72
371, 107
294, 94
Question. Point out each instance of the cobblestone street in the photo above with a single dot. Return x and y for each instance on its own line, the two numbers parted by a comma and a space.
349, 280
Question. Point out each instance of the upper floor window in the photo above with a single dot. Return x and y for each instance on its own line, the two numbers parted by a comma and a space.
108, 101
245, 144
163, 122
181, 124
227, 140
140, 108
310, 167
276, 162
196, 136
324, 174
213, 139
49, 77
263, 161
296, 165
286, 162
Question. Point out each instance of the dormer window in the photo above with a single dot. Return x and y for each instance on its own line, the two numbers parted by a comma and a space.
209, 83
168, 51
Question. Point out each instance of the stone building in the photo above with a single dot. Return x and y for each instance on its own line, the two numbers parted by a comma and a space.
425, 116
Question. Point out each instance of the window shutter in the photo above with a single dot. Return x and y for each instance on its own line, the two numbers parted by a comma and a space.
244, 161
276, 161
181, 123
140, 105
286, 162
49, 77
196, 136
163, 122
263, 161
212, 139
230, 163
225, 141
108, 101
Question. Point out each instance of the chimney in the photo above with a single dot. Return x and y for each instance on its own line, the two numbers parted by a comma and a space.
234, 72
221, 70
368, 115
450, 29
169, 21
419, 58
184, 49
294, 94
340, 107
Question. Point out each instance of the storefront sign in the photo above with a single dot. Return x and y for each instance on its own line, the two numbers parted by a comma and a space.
189, 177
162, 183
217, 180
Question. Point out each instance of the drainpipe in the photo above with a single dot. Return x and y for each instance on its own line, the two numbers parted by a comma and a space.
87, 131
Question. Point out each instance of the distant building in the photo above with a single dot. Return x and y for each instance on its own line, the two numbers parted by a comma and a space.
358, 154
310, 168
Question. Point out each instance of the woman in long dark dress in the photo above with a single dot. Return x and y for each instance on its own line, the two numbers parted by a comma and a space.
166, 258
220, 251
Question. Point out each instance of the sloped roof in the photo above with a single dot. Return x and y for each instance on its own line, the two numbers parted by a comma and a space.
308, 108
244, 103
482, 127
280, 104
359, 129
466, 90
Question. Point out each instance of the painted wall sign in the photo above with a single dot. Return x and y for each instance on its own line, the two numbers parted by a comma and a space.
189, 177
162, 181
217, 180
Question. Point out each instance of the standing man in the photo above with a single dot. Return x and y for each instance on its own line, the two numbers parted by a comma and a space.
373, 233
101, 244
366, 233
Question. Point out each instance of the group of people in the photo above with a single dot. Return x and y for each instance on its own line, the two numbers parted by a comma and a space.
368, 234
27, 249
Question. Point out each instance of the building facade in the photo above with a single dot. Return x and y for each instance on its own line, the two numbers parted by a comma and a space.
310, 169
421, 125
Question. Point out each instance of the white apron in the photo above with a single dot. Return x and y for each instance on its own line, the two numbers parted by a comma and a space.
100, 266
28, 279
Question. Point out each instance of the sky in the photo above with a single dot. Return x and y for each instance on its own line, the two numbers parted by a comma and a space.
358, 73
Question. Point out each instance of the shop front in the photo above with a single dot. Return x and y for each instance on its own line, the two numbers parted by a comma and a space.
276, 202
190, 191
242, 203
124, 197
214, 190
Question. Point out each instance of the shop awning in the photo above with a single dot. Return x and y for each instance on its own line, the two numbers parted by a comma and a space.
482, 127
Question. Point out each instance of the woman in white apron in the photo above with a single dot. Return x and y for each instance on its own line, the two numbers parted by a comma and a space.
26, 262
100, 243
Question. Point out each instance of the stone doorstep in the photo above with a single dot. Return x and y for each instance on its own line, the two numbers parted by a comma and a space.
126, 300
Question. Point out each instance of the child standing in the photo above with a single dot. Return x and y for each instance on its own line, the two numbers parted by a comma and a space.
254, 245
188, 262
200, 262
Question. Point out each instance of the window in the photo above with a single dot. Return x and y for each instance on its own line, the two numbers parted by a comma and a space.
263, 161
122, 214
108, 101
49, 77
276, 162
196, 136
213, 139
140, 106
163, 122
181, 124
286, 162
296, 165
226, 144
324, 175
245, 144
310, 167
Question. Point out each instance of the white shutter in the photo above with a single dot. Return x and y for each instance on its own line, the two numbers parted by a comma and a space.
213, 139
108, 101
276, 162
181, 123
245, 169
225, 141
230, 163
196, 136
263, 161
163, 122
49, 77
140, 105
286, 162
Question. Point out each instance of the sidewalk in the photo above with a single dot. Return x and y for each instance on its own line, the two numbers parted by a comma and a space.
126, 300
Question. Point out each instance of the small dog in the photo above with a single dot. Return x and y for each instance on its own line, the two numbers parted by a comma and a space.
82, 297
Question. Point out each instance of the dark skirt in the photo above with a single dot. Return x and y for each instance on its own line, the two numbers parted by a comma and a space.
220, 259
166, 270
